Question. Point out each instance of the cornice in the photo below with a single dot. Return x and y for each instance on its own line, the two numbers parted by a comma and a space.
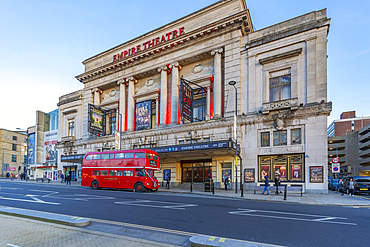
232, 22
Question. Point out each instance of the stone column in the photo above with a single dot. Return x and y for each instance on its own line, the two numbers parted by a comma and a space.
156, 112
122, 104
175, 93
163, 109
97, 93
208, 111
130, 103
217, 89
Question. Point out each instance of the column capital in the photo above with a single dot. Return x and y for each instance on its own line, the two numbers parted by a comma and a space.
220, 50
162, 68
175, 64
131, 78
121, 81
96, 90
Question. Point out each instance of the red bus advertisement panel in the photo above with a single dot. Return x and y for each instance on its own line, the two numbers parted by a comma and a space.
125, 169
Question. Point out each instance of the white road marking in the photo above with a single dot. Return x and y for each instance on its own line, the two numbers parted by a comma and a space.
22, 200
35, 198
285, 215
170, 205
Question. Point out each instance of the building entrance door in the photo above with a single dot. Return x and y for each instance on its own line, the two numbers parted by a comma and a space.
196, 172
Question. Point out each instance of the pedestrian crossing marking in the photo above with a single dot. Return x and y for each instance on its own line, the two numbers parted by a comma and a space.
222, 240
212, 238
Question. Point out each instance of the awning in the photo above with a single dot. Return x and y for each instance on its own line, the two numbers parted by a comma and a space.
77, 158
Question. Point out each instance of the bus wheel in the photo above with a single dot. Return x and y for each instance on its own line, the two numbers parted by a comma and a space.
139, 187
95, 185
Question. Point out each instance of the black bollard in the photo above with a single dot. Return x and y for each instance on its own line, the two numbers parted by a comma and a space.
213, 188
285, 193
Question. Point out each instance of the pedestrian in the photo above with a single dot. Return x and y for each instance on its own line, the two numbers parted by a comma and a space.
17, 175
69, 178
228, 182
351, 187
168, 180
61, 177
7, 175
341, 186
277, 182
266, 185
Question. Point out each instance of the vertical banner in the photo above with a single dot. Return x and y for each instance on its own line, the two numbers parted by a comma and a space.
31, 149
50, 152
186, 102
96, 122
143, 115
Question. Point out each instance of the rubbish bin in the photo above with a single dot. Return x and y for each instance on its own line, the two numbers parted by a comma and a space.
208, 185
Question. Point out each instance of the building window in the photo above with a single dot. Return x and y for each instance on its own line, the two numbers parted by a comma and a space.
280, 138
14, 158
112, 124
71, 128
199, 107
14, 138
25, 159
207, 139
280, 88
14, 147
265, 139
295, 136
182, 142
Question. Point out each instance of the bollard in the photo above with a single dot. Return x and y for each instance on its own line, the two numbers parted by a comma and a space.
285, 193
213, 188
191, 187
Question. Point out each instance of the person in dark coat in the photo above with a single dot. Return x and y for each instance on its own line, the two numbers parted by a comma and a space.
266, 185
168, 180
277, 182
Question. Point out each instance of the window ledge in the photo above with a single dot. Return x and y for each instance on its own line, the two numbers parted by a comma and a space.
281, 104
68, 139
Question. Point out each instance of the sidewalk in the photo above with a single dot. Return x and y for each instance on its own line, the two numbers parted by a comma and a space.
332, 198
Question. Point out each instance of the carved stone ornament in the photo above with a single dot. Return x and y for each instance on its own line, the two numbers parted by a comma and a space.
197, 68
112, 92
279, 124
150, 82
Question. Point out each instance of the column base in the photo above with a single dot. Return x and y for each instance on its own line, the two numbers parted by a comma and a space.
162, 125
208, 117
174, 124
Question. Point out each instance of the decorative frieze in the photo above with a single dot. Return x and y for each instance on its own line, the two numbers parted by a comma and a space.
291, 104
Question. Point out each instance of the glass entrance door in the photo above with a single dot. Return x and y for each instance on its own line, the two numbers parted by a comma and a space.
198, 171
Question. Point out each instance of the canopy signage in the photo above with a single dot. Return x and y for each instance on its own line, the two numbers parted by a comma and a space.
193, 147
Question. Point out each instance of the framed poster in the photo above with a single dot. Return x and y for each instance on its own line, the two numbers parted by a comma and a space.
281, 169
225, 174
296, 172
265, 171
316, 174
143, 115
166, 174
249, 174
96, 120
186, 101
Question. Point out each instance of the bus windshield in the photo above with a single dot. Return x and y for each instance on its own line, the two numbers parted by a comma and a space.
150, 173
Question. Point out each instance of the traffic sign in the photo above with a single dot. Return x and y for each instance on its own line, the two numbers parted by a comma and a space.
335, 160
335, 167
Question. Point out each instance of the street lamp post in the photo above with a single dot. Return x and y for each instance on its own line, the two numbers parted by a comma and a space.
232, 83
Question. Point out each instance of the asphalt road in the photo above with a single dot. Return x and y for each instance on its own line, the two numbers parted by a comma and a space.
172, 218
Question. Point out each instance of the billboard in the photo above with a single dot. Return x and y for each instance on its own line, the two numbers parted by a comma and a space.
96, 120
50, 152
31, 149
186, 102
143, 115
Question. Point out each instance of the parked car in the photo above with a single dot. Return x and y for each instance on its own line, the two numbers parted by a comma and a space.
333, 184
362, 184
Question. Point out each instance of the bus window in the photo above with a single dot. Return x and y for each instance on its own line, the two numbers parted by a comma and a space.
129, 155
155, 157
149, 155
95, 173
150, 173
103, 173
105, 156
128, 173
89, 157
110, 172
119, 156
139, 155
139, 172
118, 173
96, 156
111, 156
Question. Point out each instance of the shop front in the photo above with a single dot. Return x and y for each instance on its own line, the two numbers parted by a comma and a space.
72, 165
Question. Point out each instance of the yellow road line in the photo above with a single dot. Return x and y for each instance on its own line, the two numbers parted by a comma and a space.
212, 238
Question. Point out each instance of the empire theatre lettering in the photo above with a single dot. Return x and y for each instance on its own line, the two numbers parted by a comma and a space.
165, 37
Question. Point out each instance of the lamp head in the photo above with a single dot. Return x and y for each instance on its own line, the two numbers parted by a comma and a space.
232, 83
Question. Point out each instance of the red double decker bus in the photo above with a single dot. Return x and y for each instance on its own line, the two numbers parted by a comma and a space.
126, 169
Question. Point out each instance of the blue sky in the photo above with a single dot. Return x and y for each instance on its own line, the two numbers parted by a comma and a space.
43, 43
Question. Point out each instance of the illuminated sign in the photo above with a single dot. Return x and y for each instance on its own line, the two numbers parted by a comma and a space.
158, 40
96, 120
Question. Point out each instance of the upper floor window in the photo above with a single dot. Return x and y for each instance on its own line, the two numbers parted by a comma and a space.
14, 138
14, 158
71, 128
280, 138
295, 136
14, 147
280, 88
265, 139
199, 108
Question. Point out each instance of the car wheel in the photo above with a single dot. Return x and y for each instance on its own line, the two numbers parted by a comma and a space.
139, 187
95, 185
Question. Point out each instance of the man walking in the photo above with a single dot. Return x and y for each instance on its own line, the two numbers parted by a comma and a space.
68, 179
266, 185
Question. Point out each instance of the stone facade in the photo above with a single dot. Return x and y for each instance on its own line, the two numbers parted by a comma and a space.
210, 48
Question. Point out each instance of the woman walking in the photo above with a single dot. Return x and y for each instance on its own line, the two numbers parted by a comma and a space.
351, 186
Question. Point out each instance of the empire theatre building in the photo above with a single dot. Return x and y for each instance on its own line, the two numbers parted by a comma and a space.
177, 89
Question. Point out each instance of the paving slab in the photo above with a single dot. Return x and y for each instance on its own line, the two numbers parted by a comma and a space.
210, 241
